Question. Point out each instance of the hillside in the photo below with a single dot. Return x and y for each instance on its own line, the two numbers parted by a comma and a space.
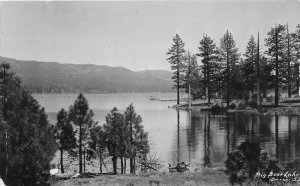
53, 77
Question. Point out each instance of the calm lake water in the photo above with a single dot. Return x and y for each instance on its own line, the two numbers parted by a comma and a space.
197, 137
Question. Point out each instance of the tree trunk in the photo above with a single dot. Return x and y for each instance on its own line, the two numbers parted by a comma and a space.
80, 149
228, 68
133, 165
84, 161
61, 161
114, 160
125, 165
277, 71
122, 168
258, 72
208, 83
178, 86
289, 63
131, 151
297, 78
100, 157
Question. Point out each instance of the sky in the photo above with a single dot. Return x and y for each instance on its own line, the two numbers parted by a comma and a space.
135, 35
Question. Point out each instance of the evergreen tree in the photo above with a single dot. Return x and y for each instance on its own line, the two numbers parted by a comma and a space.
210, 66
295, 37
97, 143
266, 77
29, 143
228, 54
249, 66
276, 50
176, 53
138, 139
65, 135
191, 73
82, 117
288, 59
113, 129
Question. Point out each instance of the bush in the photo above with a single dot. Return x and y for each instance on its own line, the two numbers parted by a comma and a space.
243, 165
232, 106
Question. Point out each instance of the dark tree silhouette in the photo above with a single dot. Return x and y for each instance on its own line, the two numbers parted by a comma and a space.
65, 135
138, 139
29, 142
113, 129
208, 53
176, 53
276, 45
82, 117
229, 55
97, 144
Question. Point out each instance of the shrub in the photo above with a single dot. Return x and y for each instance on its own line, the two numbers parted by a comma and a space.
232, 106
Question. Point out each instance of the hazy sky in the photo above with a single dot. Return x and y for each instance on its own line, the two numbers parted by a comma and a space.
135, 35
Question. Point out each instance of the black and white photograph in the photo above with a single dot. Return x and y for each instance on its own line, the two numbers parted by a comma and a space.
150, 93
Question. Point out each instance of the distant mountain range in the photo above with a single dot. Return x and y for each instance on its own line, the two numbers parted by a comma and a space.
53, 77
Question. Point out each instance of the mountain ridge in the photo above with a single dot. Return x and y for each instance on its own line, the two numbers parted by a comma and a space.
55, 77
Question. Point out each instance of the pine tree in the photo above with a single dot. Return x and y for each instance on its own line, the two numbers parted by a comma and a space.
113, 129
229, 55
138, 139
295, 37
190, 73
65, 135
276, 50
82, 117
9, 87
249, 65
288, 59
176, 53
208, 53
97, 143
29, 143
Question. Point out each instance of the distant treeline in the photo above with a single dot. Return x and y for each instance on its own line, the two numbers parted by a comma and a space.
52, 77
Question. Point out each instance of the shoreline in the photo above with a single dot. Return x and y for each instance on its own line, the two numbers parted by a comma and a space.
266, 108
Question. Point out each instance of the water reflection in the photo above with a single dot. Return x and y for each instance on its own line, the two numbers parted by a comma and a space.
205, 140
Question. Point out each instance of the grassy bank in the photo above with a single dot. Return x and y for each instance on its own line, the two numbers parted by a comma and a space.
206, 177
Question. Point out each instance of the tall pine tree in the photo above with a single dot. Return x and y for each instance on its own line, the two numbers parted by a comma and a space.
229, 55
295, 37
210, 66
113, 131
276, 50
29, 142
82, 117
138, 139
65, 135
176, 53
249, 64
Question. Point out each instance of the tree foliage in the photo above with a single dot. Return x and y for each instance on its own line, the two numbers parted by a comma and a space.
65, 134
82, 117
210, 67
229, 56
176, 53
29, 143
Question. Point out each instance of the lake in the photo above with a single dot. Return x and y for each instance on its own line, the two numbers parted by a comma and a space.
193, 136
